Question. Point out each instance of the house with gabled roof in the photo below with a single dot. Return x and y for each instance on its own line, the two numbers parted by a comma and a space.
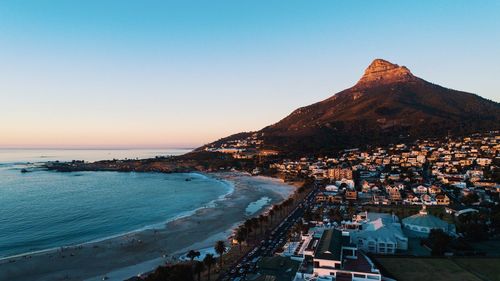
336, 258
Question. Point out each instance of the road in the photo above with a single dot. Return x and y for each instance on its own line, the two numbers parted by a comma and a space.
267, 247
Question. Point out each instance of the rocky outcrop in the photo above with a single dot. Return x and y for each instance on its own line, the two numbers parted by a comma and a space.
383, 72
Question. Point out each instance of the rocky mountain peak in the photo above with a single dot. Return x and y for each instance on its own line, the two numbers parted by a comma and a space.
382, 71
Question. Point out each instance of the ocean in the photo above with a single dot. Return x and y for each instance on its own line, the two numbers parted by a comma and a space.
42, 209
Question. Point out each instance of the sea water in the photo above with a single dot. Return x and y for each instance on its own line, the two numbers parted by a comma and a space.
44, 209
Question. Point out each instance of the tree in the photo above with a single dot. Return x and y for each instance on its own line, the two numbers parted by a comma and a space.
271, 214
241, 235
470, 199
249, 226
276, 209
255, 225
439, 241
351, 211
192, 254
177, 272
473, 226
220, 248
308, 216
209, 260
262, 220
335, 214
198, 269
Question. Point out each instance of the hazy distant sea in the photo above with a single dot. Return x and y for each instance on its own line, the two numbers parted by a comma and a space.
41, 210
44, 155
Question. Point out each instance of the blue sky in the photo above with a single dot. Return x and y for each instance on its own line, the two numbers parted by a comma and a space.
183, 73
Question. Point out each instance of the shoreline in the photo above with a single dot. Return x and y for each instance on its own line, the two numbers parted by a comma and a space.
153, 246
155, 226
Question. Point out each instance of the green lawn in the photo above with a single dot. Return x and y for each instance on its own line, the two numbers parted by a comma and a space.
437, 269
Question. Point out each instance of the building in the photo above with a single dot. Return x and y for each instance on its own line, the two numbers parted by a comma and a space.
378, 233
340, 173
351, 194
336, 258
442, 199
422, 223
394, 194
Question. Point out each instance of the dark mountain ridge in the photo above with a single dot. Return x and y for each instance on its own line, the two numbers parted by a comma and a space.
388, 104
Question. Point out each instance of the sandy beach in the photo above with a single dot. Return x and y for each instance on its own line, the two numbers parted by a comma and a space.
131, 254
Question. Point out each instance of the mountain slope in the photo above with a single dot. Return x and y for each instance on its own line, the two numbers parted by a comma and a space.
387, 104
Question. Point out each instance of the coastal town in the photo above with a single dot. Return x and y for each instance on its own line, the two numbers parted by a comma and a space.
371, 214
249, 140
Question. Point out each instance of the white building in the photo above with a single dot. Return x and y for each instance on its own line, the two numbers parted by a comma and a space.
422, 223
335, 258
377, 233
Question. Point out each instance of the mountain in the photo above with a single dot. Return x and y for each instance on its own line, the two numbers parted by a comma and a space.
388, 104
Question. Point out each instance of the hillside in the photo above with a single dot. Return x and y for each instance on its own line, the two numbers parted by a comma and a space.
388, 104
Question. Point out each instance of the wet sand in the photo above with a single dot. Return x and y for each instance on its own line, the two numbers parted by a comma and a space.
134, 253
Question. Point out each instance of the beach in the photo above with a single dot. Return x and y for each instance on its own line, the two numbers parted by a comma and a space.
127, 255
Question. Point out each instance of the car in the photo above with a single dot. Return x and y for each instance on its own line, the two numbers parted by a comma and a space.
255, 260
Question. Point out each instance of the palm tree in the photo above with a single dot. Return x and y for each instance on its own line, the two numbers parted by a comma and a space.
220, 248
255, 225
266, 220
271, 214
262, 219
248, 225
198, 269
285, 205
209, 260
241, 235
278, 209
193, 254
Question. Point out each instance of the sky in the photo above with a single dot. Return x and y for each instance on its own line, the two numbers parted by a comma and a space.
122, 73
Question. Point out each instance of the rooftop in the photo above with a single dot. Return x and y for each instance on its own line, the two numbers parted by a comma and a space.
361, 264
330, 245
426, 220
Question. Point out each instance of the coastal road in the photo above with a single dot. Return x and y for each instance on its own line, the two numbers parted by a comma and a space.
274, 241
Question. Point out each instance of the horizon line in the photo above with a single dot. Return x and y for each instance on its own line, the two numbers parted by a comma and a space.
93, 148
